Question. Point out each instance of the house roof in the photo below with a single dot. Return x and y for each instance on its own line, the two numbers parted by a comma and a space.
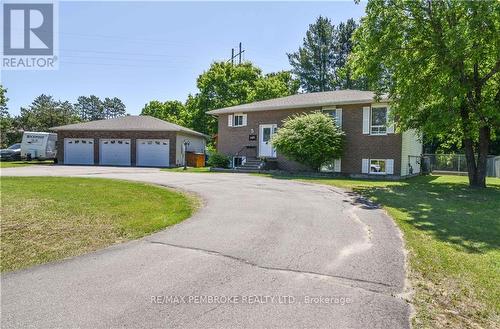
128, 123
325, 98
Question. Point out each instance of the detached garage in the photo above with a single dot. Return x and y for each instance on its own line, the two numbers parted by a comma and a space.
127, 141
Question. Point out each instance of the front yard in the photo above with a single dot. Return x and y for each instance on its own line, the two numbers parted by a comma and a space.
453, 237
46, 219
14, 164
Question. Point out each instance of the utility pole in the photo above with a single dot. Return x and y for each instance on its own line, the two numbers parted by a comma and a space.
233, 55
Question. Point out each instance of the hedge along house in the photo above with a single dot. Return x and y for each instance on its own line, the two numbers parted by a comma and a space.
127, 141
372, 145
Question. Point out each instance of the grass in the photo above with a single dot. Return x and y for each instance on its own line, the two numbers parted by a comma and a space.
51, 218
189, 169
452, 234
14, 164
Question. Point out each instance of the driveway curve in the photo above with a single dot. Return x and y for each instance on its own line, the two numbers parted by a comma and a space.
261, 253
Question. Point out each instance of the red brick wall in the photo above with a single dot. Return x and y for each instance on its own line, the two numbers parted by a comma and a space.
132, 135
358, 146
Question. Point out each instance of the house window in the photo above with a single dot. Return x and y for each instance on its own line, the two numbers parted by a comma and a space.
378, 122
238, 161
377, 167
335, 114
238, 120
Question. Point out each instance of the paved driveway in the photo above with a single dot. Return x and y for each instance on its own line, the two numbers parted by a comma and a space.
264, 247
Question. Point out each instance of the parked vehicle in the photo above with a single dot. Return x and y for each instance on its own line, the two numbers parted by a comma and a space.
39, 146
11, 153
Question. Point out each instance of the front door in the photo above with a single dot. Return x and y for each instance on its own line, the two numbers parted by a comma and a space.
265, 133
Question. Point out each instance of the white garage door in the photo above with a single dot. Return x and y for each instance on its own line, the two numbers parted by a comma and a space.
114, 152
153, 152
79, 151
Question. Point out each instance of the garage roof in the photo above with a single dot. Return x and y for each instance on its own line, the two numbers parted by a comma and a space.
128, 123
325, 98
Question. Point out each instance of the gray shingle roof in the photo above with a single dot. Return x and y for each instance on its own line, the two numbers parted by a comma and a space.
325, 98
128, 123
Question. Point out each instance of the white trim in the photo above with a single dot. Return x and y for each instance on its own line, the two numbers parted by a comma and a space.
243, 159
337, 165
379, 106
338, 117
378, 172
389, 166
365, 165
390, 121
230, 120
243, 120
366, 120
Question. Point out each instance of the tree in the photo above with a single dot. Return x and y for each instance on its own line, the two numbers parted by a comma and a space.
171, 111
343, 47
312, 139
274, 85
439, 63
45, 113
314, 62
6, 121
113, 108
225, 84
90, 108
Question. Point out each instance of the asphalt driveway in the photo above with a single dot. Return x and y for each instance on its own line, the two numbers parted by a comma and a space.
261, 253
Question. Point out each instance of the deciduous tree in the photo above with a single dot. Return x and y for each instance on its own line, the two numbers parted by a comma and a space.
439, 62
171, 111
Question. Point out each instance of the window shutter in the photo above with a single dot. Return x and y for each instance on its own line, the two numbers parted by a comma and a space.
338, 117
389, 166
244, 120
390, 122
230, 120
366, 120
365, 164
337, 165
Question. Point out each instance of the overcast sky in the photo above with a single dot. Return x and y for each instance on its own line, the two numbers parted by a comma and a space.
154, 51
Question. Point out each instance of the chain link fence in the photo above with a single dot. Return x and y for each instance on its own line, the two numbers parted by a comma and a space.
457, 164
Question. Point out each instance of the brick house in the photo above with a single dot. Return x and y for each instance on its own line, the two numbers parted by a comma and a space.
372, 145
127, 141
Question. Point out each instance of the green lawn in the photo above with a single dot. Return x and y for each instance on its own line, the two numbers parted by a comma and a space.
13, 164
452, 233
46, 219
189, 169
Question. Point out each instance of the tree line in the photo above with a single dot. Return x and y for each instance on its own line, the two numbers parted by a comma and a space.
46, 112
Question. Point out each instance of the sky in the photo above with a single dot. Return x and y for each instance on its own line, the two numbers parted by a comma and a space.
143, 51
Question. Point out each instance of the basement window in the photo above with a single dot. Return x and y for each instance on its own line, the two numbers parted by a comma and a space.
238, 161
377, 167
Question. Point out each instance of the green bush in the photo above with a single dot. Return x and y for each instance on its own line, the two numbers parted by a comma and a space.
218, 160
311, 139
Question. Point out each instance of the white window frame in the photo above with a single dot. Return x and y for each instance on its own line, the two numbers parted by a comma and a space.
242, 157
379, 126
237, 117
335, 113
378, 172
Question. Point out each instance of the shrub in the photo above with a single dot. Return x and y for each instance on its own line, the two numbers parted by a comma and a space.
218, 160
311, 139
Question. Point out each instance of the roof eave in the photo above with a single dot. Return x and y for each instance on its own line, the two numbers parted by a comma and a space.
227, 110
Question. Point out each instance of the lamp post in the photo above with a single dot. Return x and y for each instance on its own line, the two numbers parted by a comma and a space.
186, 144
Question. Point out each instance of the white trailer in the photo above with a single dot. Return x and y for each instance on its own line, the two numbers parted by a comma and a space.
38, 145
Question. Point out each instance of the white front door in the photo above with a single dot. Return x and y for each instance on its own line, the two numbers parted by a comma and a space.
153, 152
265, 133
79, 151
114, 152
